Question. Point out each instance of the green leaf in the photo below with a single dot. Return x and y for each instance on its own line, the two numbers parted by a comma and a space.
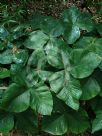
74, 20
72, 32
53, 52
88, 42
78, 121
66, 88
41, 100
96, 104
19, 31
97, 76
6, 57
2, 45
55, 124
36, 58
20, 57
36, 40
52, 26
32, 78
6, 122
58, 124
36, 21
82, 19
16, 98
91, 44
100, 66
83, 63
4, 73
99, 28
44, 75
36, 67
19, 77
3, 33
97, 122
15, 68
90, 88
61, 82
70, 15
27, 122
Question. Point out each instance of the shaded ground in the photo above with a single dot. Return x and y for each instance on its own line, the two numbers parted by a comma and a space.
19, 134
55, 7
47, 7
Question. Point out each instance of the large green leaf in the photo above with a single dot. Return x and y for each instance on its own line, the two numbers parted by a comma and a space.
16, 98
90, 88
66, 87
83, 63
4, 73
97, 122
6, 122
41, 100
6, 57
36, 40
58, 124
72, 32
74, 20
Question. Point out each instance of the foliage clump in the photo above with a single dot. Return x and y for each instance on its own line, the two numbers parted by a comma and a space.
50, 71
